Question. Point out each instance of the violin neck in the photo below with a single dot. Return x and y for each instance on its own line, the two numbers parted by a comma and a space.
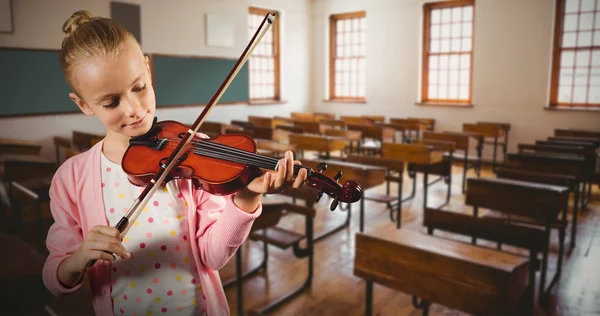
223, 152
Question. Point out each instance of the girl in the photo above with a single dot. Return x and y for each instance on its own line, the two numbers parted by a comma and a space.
169, 259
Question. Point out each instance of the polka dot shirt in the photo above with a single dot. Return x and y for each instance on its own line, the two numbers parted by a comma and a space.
161, 277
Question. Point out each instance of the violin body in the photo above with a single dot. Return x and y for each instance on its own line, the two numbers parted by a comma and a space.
147, 153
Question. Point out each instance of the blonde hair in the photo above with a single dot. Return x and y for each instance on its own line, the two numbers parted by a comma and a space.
88, 36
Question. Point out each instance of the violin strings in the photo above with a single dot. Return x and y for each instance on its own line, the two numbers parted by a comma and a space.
252, 158
240, 156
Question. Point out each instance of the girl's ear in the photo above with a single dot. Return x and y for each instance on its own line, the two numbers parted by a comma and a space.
82, 105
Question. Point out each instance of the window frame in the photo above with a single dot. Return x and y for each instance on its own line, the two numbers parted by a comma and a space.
557, 51
276, 56
427, 8
332, 56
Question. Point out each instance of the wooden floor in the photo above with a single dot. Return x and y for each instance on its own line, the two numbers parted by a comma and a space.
335, 291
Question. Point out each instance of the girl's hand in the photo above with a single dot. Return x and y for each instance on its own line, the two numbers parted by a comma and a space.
270, 182
99, 244
274, 182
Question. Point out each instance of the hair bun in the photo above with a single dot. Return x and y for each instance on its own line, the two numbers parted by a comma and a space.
76, 19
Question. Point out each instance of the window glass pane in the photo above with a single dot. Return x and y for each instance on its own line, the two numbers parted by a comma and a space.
567, 59
584, 39
363, 49
468, 13
445, 46
587, 5
347, 25
433, 91
582, 59
464, 92
433, 77
595, 79
566, 77
456, 14
594, 96
581, 76
596, 57
433, 62
454, 62
572, 6
435, 16
443, 92
435, 46
443, 78
363, 37
466, 45
446, 15
580, 94
355, 25
585, 21
339, 26
444, 62
435, 31
453, 92
596, 38
445, 30
564, 94
455, 45
453, 79
464, 77
456, 29
465, 61
568, 40
355, 37
338, 90
570, 23
467, 29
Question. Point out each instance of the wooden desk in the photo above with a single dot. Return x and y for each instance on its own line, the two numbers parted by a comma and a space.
349, 135
83, 141
576, 132
318, 143
469, 278
19, 147
409, 126
366, 175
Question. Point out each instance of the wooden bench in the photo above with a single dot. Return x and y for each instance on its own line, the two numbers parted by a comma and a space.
442, 169
83, 141
265, 229
409, 126
265, 121
355, 120
374, 118
523, 174
576, 133
375, 133
19, 147
538, 202
429, 122
350, 136
394, 172
461, 142
367, 176
318, 143
505, 127
311, 127
302, 116
469, 278
340, 124
493, 131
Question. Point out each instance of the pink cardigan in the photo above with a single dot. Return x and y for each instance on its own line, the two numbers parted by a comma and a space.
77, 205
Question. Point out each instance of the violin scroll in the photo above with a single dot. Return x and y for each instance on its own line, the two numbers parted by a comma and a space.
350, 192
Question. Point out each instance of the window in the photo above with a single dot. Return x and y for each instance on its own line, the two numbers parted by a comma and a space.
263, 64
447, 52
576, 56
347, 51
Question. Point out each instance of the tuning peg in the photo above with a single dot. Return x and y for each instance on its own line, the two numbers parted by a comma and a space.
322, 167
334, 205
319, 195
338, 175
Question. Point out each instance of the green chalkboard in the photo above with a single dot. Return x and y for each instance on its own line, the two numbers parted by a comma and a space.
31, 82
180, 80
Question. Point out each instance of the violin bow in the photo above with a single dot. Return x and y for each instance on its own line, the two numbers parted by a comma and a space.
142, 200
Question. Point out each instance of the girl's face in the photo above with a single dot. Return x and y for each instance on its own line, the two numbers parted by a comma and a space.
117, 90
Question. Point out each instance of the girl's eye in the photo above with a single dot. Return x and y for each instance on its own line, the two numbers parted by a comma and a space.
113, 104
140, 89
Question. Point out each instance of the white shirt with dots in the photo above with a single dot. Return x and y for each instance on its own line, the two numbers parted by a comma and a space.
161, 277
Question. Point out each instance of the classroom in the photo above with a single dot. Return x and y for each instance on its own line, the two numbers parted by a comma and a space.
457, 143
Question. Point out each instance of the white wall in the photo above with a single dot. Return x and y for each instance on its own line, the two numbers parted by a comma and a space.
169, 27
511, 66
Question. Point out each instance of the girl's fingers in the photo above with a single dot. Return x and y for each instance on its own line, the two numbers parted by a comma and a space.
280, 176
300, 179
111, 247
289, 159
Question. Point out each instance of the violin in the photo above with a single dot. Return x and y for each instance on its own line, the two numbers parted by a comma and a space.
221, 166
